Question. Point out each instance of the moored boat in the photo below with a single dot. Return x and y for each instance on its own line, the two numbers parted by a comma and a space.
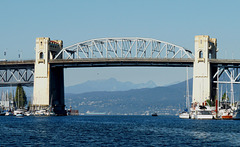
184, 115
19, 114
202, 112
18, 111
9, 114
236, 113
28, 113
40, 113
225, 111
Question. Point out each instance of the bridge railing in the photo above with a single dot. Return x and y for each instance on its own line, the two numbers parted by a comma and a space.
124, 48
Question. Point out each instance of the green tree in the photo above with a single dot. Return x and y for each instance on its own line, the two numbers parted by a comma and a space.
225, 97
209, 102
20, 97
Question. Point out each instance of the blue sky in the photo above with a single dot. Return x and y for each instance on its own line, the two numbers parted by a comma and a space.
73, 21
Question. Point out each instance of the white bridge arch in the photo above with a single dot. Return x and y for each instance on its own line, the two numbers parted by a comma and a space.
124, 48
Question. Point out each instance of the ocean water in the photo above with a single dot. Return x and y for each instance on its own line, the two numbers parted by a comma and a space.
117, 131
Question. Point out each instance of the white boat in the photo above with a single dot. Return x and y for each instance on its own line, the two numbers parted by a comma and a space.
27, 113
184, 115
41, 112
226, 110
19, 114
236, 113
9, 114
50, 113
203, 112
226, 113
18, 111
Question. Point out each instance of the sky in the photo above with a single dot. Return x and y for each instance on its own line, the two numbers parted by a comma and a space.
73, 21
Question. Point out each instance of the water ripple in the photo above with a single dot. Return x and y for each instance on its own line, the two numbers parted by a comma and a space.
117, 131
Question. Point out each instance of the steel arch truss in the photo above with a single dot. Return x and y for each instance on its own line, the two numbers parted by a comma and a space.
227, 75
15, 76
124, 48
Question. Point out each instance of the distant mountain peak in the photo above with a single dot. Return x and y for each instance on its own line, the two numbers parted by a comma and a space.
110, 84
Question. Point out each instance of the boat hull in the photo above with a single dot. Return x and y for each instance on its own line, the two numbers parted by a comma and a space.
227, 117
236, 115
184, 116
203, 117
19, 115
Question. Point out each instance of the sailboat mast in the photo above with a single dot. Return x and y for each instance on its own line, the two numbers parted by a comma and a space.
232, 94
218, 88
187, 93
18, 98
226, 93
221, 94
7, 100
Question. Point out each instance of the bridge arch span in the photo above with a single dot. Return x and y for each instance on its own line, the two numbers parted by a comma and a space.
128, 47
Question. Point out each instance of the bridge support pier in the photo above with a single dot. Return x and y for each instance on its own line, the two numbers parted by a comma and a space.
203, 87
48, 89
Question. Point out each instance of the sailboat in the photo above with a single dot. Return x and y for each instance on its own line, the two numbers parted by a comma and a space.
50, 111
185, 113
227, 108
19, 112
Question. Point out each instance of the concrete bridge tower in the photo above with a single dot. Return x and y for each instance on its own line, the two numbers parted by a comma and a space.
203, 87
48, 82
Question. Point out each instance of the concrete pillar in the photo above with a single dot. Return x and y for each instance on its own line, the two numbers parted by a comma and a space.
48, 82
203, 88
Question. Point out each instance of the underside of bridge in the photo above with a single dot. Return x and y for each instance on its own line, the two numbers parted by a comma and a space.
57, 90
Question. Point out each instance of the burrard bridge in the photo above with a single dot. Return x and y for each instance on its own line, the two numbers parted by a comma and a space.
46, 72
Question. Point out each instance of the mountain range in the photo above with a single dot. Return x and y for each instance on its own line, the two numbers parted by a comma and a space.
143, 101
107, 85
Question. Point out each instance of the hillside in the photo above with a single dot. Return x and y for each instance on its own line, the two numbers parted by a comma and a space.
164, 100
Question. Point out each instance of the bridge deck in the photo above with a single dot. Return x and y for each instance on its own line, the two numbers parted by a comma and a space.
100, 62
122, 62
225, 62
17, 64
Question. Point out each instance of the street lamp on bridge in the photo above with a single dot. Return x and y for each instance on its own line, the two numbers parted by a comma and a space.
20, 54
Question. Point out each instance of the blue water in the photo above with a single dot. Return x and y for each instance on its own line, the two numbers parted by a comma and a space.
117, 131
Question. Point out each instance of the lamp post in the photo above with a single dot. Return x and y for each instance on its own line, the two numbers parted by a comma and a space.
20, 54
5, 54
